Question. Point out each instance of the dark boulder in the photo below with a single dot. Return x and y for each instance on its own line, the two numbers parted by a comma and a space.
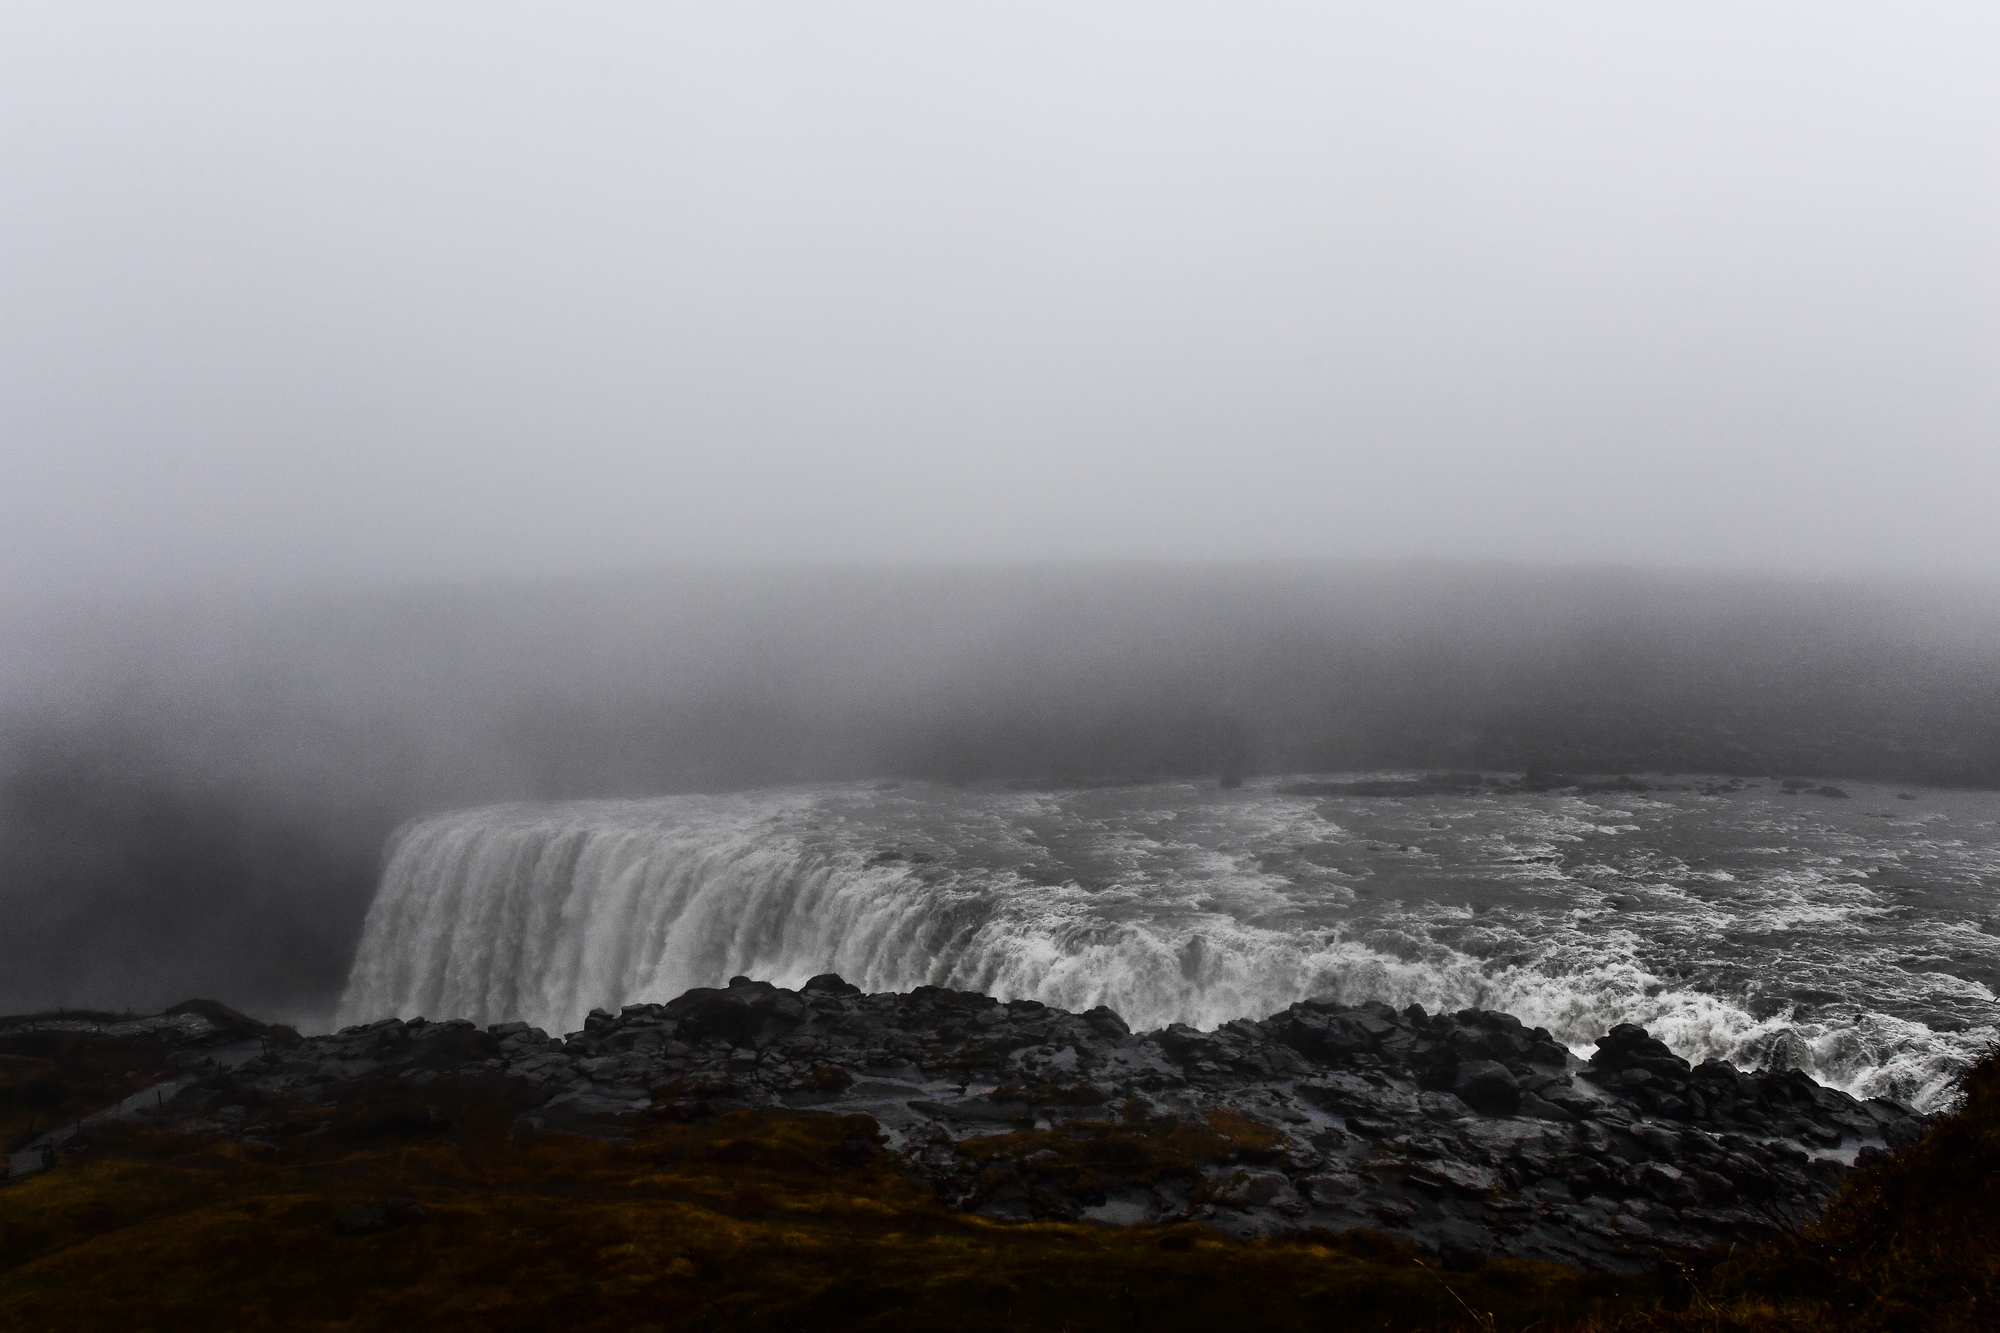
1464, 1179
1106, 1022
1487, 1086
1627, 1047
1540, 1108
749, 1013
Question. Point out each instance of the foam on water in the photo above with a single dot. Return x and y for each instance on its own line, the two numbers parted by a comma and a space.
1753, 927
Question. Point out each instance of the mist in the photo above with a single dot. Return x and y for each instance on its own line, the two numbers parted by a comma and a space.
196, 794
351, 296
407, 409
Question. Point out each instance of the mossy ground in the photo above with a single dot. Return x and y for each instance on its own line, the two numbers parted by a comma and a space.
790, 1221
1912, 1245
53, 1078
744, 1221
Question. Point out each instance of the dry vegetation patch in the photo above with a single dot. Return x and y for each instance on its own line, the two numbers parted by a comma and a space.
406, 1207
750, 1220
52, 1078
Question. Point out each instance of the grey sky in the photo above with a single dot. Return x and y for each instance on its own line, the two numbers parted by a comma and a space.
332, 293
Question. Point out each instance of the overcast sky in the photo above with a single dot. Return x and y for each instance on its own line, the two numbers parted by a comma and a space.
315, 294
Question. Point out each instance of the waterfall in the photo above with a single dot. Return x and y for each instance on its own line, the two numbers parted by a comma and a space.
542, 913
1155, 903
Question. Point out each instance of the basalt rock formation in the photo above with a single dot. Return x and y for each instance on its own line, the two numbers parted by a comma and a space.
1468, 1133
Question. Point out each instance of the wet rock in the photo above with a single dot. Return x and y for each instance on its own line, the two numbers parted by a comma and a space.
1330, 1189
1659, 1141
1257, 1187
1487, 1086
1455, 1177
1629, 1047
1669, 1185
748, 1013
1445, 1129
1541, 1109
1902, 1133
1106, 1023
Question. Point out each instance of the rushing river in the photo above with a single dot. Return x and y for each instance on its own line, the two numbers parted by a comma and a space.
1853, 938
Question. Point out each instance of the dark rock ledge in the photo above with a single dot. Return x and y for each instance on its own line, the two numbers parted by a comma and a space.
1467, 1133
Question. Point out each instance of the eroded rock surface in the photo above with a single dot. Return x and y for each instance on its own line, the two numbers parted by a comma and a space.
1469, 1132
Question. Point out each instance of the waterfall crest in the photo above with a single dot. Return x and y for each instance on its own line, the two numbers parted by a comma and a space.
1168, 905
543, 913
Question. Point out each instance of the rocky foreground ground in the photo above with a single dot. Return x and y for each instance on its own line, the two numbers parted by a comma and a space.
1466, 1133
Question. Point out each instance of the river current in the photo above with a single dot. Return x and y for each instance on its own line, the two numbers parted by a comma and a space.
1854, 938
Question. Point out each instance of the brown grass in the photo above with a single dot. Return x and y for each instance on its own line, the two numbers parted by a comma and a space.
788, 1221
53, 1078
746, 1221
1912, 1245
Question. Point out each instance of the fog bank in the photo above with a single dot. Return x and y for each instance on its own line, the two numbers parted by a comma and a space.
196, 793
325, 295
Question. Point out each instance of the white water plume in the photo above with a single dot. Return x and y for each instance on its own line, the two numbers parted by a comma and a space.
1163, 907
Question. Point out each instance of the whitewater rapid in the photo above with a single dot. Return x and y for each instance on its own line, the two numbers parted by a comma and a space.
1754, 927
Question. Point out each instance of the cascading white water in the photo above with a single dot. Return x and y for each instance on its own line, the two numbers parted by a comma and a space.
1169, 905
542, 914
